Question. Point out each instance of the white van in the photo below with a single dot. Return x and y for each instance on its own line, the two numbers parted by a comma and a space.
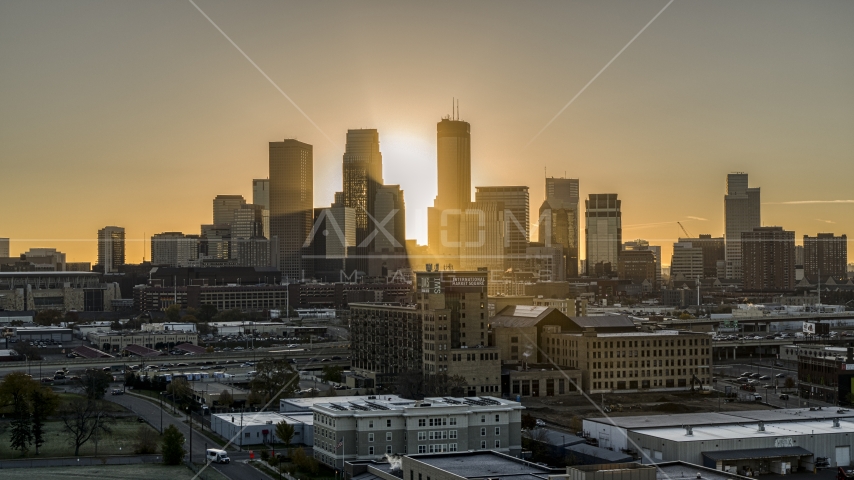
217, 456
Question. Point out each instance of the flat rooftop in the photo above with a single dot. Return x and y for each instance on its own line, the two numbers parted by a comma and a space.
700, 419
487, 465
308, 402
684, 470
750, 430
379, 403
260, 418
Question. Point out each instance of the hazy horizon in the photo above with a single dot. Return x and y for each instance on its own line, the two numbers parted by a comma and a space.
139, 114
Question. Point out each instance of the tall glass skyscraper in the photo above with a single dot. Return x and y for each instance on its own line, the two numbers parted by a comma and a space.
291, 206
742, 215
111, 248
603, 233
363, 175
453, 162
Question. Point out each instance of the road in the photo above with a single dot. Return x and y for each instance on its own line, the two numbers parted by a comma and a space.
726, 375
236, 470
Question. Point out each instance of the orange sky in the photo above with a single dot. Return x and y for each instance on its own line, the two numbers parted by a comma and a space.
137, 114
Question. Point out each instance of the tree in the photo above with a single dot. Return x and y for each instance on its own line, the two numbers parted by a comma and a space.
225, 399
789, 383
189, 319
205, 313
48, 317
146, 441
285, 433
43, 403
181, 391
94, 383
331, 373
15, 388
172, 446
173, 312
21, 435
83, 418
274, 379
528, 421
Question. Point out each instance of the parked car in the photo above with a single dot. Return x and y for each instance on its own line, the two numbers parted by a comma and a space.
765, 377
784, 396
780, 375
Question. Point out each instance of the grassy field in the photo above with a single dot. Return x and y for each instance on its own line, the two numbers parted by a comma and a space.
121, 441
104, 472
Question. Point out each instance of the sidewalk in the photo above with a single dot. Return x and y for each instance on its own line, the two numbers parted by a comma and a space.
80, 462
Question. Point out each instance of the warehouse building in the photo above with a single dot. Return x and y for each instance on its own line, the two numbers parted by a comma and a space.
259, 428
747, 442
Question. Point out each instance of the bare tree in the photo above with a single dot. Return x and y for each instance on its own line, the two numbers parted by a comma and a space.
83, 419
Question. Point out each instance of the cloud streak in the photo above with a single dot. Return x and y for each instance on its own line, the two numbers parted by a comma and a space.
825, 221
699, 218
809, 202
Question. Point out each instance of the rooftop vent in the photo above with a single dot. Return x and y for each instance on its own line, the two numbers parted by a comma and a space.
761, 426
689, 430
835, 423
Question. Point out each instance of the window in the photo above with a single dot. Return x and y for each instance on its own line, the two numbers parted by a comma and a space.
370, 437
388, 423
452, 434
388, 448
370, 424
370, 450
422, 422
247, 435
422, 449
482, 431
483, 444
387, 436
483, 419
498, 444
422, 435
452, 447
498, 430
453, 421
497, 418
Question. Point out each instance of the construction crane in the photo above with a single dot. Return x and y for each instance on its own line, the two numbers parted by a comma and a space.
683, 229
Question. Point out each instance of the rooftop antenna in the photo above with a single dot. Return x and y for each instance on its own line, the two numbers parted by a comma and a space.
453, 102
458, 109
143, 247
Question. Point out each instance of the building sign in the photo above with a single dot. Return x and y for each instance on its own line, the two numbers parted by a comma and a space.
784, 442
809, 328
451, 282
849, 366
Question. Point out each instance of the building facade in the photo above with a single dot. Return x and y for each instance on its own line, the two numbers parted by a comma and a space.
768, 259
714, 251
686, 262
742, 213
291, 205
603, 233
825, 255
453, 162
111, 248
371, 428
517, 225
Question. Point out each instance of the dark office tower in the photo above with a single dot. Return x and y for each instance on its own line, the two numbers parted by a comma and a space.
768, 259
825, 255
559, 220
291, 205
363, 175
742, 214
517, 223
389, 242
224, 207
111, 248
453, 162
714, 251
603, 233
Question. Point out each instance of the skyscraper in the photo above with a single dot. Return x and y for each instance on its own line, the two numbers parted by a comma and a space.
224, 207
111, 248
261, 196
825, 254
174, 249
640, 245
768, 259
453, 162
363, 175
291, 205
713, 251
558, 222
4, 247
603, 233
686, 262
517, 223
742, 214
389, 205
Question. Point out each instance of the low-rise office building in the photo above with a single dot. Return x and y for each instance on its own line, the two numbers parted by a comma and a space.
116, 342
56, 290
368, 429
632, 361
259, 428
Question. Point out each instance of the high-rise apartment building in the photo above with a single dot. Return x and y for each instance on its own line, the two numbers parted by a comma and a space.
517, 222
637, 266
453, 155
215, 242
603, 233
261, 196
742, 214
174, 249
558, 222
291, 205
363, 175
768, 259
825, 254
643, 245
714, 250
111, 248
687, 262
224, 207
4, 248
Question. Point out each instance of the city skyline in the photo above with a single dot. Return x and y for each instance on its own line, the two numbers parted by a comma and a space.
662, 127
